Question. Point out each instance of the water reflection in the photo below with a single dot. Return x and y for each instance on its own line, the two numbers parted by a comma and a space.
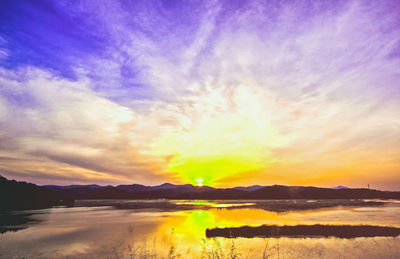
14, 220
269, 205
106, 232
215, 204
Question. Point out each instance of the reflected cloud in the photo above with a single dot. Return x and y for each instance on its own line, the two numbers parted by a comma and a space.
105, 231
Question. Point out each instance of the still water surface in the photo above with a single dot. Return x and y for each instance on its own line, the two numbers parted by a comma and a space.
176, 229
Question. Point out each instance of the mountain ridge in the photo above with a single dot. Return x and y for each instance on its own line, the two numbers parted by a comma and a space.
22, 195
189, 191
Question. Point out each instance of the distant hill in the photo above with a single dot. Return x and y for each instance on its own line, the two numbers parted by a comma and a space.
249, 188
21, 196
188, 191
134, 191
301, 192
340, 187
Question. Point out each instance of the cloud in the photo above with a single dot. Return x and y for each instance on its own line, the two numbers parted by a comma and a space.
259, 92
67, 123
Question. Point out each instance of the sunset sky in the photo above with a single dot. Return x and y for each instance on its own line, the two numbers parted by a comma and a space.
220, 93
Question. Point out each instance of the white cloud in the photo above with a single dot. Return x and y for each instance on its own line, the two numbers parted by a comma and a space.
304, 96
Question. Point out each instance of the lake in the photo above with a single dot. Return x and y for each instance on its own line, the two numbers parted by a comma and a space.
177, 229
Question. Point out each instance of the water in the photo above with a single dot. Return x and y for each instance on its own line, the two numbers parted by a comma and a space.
176, 229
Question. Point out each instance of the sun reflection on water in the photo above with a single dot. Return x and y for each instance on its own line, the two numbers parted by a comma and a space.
181, 233
214, 204
190, 226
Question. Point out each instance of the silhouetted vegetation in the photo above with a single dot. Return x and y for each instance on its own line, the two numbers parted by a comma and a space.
341, 231
22, 196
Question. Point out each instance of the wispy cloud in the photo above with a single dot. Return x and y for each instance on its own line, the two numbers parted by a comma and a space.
149, 91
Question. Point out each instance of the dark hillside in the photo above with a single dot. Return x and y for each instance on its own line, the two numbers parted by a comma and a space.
22, 196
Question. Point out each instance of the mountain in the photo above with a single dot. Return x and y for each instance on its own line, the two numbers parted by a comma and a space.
164, 186
188, 191
166, 190
249, 188
21, 195
90, 192
340, 187
133, 191
73, 187
133, 187
301, 192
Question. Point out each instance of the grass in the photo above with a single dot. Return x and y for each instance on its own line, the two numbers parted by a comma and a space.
273, 248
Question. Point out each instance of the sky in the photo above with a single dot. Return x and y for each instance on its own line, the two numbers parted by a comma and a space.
221, 93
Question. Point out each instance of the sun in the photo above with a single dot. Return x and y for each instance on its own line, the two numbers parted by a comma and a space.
199, 181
